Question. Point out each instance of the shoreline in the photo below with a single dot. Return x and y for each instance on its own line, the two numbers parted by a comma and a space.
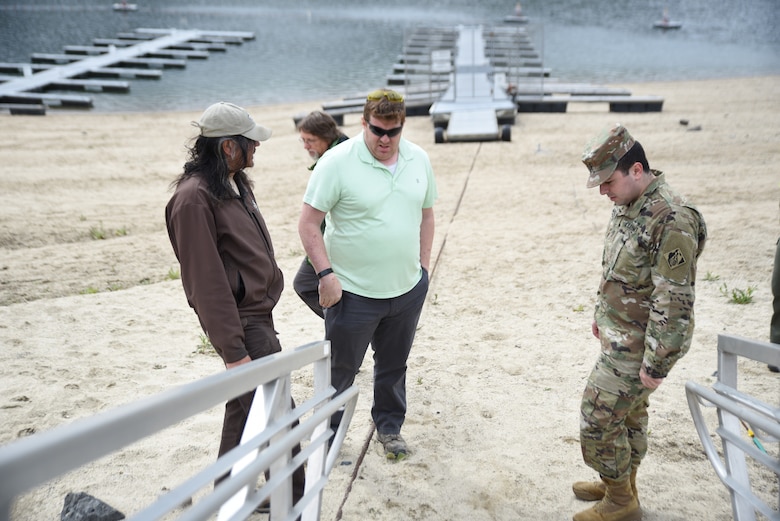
504, 345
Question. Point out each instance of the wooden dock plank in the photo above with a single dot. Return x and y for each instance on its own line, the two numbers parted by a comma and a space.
170, 52
88, 85
229, 37
24, 109
177, 53
50, 100
103, 72
420, 77
617, 103
580, 89
195, 46
125, 72
58, 59
151, 61
136, 36
20, 68
88, 50
154, 63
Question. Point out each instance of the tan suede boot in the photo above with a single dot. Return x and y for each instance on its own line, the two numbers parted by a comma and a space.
594, 490
589, 490
619, 504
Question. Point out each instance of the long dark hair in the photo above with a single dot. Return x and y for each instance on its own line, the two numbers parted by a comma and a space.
207, 160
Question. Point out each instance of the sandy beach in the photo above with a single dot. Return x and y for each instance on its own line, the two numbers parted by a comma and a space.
92, 315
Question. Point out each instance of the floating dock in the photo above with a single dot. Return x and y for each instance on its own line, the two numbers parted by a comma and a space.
471, 109
142, 54
429, 65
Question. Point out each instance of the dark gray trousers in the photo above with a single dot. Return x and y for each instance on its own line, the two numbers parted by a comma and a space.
307, 286
389, 326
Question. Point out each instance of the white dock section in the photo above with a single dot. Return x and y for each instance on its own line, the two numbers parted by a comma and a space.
150, 48
470, 109
440, 68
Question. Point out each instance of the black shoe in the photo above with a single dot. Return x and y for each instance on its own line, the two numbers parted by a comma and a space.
774, 368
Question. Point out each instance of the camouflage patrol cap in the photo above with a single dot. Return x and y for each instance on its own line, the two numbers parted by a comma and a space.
602, 154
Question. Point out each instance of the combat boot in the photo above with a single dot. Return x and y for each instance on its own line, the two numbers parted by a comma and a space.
619, 504
589, 490
594, 490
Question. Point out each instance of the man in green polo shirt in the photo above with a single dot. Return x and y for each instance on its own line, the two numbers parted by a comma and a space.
376, 193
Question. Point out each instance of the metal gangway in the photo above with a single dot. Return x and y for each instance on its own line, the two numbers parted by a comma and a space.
737, 411
273, 428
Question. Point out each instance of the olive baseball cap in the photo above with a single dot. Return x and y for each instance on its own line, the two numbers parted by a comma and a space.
226, 119
602, 154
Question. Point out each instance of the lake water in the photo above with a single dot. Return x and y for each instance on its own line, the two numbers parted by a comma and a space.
326, 49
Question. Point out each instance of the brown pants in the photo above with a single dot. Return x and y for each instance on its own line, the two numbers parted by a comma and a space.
260, 340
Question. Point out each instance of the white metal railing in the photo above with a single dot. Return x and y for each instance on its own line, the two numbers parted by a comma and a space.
273, 428
735, 410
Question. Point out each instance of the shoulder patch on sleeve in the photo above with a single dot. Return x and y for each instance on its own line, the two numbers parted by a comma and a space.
676, 257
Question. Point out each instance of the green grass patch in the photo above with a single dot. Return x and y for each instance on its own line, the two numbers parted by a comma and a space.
737, 295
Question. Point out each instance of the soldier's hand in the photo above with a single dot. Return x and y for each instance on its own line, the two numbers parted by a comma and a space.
647, 380
595, 329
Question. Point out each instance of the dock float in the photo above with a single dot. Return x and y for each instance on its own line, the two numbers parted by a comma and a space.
139, 55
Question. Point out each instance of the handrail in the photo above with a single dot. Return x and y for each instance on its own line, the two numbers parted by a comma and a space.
32, 461
733, 408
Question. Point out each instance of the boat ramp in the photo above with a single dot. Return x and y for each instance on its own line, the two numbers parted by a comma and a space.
104, 66
446, 70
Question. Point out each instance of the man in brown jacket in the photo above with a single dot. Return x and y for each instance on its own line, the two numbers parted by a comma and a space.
228, 268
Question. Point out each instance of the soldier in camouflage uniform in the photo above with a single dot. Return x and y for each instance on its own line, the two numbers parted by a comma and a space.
643, 317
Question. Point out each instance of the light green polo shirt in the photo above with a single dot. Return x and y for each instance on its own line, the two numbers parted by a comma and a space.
372, 232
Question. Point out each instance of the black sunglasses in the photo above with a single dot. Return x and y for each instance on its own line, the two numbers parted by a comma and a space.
389, 132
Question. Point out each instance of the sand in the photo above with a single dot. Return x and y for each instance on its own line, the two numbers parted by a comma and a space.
92, 315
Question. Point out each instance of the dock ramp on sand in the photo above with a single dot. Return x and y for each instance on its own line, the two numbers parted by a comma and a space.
471, 109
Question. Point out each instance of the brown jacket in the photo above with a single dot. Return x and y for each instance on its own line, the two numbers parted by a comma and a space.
228, 268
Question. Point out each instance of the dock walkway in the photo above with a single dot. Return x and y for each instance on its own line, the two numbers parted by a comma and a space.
471, 109
136, 55
426, 67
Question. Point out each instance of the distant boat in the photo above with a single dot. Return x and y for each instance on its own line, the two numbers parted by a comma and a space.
665, 23
124, 6
514, 19
518, 17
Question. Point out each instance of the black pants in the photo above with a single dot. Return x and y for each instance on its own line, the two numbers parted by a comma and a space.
389, 326
307, 286
260, 340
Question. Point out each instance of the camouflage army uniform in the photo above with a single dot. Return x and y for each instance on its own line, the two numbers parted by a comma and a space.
644, 313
